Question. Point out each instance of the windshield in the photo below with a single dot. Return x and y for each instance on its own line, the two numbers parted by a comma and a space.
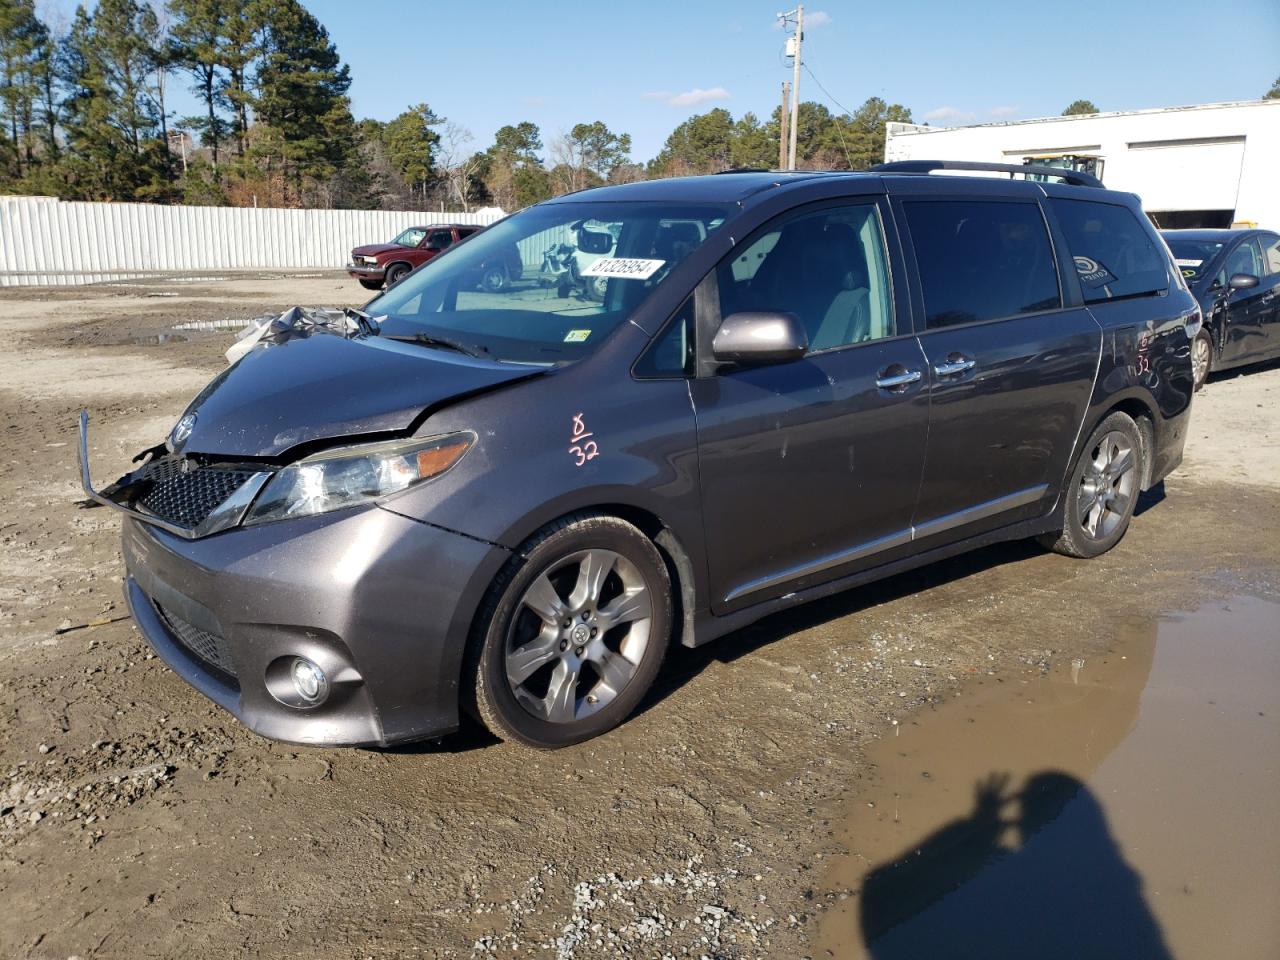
549, 284
410, 238
1192, 256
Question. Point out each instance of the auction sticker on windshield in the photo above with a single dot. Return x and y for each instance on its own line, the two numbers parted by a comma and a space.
628, 268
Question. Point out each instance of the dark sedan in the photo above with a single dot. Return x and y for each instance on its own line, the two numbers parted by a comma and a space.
1235, 274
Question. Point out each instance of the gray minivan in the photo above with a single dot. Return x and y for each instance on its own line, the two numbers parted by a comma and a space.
513, 502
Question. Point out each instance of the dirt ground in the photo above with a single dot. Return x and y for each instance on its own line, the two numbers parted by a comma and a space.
138, 820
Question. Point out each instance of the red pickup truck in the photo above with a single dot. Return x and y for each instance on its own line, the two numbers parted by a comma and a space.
387, 263
379, 263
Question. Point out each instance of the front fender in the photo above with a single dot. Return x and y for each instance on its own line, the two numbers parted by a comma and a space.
585, 437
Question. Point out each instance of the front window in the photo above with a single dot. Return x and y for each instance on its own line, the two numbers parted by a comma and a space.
410, 238
1192, 256
584, 267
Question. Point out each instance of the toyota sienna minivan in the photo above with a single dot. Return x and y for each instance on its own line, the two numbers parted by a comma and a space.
511, 503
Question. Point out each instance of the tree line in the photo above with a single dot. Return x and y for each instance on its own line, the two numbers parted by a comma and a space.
86, 117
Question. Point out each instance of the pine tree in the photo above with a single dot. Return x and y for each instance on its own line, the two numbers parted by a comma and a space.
22, 40
198, 35
111, 118
411, 142
302, 86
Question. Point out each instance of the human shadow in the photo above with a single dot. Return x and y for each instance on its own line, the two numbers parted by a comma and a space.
1049, 882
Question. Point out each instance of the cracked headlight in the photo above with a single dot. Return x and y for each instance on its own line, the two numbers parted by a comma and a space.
344, 477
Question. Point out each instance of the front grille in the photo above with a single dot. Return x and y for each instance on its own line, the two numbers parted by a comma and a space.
184, 495
209, 648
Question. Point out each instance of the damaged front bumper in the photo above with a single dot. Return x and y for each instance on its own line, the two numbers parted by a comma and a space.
121, 495
381, 603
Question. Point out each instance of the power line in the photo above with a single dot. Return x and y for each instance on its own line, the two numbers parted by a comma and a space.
813, 76
840, 133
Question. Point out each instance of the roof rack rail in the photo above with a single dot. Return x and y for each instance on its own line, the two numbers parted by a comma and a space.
1073, 177
746, 170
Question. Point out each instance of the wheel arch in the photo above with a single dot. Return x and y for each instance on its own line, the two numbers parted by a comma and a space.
680, 564
1141, 413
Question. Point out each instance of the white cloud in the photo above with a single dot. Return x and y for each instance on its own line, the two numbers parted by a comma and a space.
947, 115
697, 95
689, 98
1003, 111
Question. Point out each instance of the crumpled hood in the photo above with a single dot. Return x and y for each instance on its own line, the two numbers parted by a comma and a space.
373, 249
325, 387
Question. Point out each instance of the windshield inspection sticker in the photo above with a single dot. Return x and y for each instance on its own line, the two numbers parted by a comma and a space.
1182, 262
625, 268
577, 336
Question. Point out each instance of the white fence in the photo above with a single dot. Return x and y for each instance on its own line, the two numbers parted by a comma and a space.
43, 235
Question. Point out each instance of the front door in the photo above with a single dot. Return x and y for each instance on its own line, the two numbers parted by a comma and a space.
809, 469
1011, 369
1250, 314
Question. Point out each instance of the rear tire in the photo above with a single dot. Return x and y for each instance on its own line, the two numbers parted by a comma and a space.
371, 284
1201, 358
571, 634
1103, 490
494, 280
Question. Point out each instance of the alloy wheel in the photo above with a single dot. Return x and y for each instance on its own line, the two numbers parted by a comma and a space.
1199, 360
1108, 486
578, 635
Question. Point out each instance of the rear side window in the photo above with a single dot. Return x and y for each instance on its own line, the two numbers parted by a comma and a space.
1114, 256
981, 260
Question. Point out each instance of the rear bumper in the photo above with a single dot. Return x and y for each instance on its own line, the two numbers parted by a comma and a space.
1169, 441
382, 603
362, 272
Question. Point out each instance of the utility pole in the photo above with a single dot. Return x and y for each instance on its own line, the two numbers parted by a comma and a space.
782, 126
793, 50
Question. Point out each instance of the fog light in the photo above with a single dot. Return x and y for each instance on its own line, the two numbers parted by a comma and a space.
309, 681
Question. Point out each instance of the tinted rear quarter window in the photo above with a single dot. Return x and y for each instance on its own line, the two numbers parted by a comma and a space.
1115, 257
982, 259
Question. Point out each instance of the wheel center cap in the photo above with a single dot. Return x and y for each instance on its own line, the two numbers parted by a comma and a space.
581, 634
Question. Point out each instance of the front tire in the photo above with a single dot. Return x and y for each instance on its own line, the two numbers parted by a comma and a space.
575, 629
1201, 358
1103, 490
395, 273
371, 284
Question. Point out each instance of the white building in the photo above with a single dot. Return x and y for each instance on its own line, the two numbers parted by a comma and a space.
1205, 166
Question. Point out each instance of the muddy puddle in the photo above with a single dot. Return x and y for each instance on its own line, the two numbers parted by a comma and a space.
1120, 806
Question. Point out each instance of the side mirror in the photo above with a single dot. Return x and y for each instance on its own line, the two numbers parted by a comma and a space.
1242, 281
759, 338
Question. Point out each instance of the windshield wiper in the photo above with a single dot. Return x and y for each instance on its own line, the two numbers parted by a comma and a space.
427, 340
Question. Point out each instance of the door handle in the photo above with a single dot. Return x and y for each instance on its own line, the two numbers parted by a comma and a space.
890, 381
952, 367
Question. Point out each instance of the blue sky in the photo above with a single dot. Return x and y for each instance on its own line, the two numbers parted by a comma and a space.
644, 67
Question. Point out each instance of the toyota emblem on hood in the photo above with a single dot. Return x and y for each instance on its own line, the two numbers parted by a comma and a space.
181, 430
